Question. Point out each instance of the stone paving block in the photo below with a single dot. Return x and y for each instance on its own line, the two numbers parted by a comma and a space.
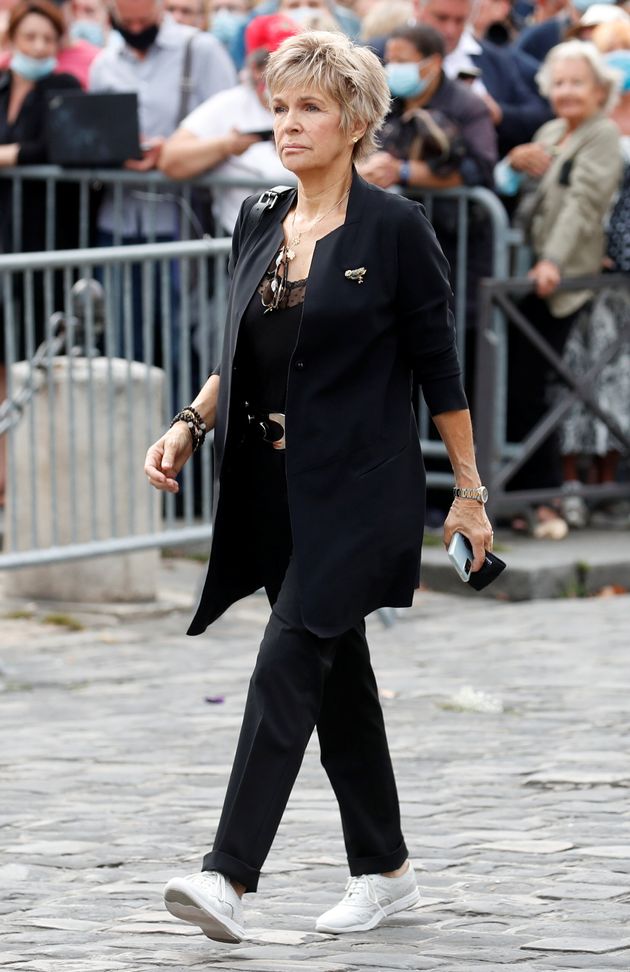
618, 852
563, 890
529, 846
591, 946
383, 961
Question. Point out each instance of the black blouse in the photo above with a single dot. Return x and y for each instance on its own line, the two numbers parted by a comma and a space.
266, 342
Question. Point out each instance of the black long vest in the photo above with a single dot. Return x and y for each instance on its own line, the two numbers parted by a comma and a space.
355, 476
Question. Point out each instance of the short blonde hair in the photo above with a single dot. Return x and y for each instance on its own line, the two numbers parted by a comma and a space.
575, 50
351, 75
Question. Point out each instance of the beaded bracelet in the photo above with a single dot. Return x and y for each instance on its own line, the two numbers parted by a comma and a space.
195, 423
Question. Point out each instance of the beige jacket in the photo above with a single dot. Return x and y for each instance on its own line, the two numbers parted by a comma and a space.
572, 200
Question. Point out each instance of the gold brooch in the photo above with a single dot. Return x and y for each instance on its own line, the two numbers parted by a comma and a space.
357, 274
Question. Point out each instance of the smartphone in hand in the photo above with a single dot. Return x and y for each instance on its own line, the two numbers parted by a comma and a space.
460, 554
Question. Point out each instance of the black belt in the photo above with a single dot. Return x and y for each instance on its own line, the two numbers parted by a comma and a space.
267, 426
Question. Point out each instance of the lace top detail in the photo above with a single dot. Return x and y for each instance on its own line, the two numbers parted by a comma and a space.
292, 293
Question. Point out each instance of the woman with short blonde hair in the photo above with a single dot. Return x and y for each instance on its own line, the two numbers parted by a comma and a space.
339, 295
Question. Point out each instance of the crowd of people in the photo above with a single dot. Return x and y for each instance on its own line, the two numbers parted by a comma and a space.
529, 99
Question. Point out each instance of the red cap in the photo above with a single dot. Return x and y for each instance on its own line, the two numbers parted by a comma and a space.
269, 31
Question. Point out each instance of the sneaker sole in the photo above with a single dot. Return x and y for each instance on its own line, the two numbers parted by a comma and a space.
401, 904
185, 906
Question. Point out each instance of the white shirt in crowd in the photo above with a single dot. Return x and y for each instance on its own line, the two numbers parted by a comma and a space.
239, 108
460, 61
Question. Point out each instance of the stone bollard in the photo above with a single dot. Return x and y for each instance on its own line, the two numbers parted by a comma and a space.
125, 401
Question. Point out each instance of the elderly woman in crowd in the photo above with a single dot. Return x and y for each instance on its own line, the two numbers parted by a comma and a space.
590, 450
569, 174
339, 293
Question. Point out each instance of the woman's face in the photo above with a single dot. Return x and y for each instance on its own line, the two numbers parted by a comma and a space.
574, 92
36, 37
307, 130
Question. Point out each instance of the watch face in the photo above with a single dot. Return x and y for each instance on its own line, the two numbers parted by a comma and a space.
483, 492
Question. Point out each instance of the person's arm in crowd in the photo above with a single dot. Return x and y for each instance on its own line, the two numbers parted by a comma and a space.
595, 175
385, 170
185, 154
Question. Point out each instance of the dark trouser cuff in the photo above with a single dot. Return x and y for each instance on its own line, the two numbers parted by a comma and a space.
233, 868
378, 865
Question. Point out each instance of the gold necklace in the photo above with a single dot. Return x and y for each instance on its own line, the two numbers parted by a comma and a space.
296, 238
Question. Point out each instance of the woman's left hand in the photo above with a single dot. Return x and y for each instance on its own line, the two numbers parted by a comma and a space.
547, 277
469, 518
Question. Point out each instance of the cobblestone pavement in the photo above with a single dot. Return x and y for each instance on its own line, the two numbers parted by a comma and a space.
508, 726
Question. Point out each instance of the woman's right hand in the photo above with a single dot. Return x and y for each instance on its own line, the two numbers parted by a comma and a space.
532, 159
166, 458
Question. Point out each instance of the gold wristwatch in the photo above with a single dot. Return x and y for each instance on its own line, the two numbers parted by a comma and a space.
479, 493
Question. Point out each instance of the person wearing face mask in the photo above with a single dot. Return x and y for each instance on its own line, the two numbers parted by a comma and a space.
229, 133
437, 135
81, 42
88, 22
34, 31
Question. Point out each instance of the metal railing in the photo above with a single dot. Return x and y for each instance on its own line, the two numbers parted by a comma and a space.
499, 460
153, 189
74, 451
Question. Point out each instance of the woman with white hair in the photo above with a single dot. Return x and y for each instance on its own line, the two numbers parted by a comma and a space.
339, 294
568, 176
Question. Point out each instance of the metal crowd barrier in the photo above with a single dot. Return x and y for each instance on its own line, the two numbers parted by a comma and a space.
151, 188
77, 425
499, 459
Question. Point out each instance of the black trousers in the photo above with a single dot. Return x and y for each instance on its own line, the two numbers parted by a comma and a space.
301, 682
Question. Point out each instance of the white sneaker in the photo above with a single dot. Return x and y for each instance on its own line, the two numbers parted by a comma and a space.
207, 899
368, 900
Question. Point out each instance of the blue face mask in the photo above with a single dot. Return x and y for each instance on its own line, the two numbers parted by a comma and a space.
32, 68
405, 80
226, 25
620, 61
88, 30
